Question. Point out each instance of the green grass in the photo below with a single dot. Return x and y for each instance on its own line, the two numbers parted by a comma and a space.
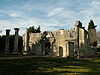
9, 55
49, 66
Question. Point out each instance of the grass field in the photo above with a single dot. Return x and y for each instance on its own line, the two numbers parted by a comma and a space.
49, 66
9, 55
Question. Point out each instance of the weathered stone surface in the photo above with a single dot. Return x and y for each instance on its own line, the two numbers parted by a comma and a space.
7, 41
15, 51
63, 43
92, 36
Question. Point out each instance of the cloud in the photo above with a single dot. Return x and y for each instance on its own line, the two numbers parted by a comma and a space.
91, 12
95, 3
55, 11
13, 15
49, 14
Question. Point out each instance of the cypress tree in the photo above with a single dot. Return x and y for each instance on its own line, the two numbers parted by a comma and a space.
91, 25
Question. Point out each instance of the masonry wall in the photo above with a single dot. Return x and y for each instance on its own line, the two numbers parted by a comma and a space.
92, 36
60, 42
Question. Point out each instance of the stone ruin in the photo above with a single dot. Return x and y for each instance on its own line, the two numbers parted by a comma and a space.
62, 43
7, 41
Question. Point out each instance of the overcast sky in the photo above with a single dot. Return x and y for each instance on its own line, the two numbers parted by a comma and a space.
49, 14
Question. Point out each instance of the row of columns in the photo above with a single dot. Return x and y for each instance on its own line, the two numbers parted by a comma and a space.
15, 51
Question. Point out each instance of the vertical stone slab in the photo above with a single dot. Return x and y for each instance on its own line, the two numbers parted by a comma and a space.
43, 47
7, 41
16, 41
42, 42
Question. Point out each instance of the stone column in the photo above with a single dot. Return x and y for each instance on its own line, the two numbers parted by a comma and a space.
7, 41
16, 41
78, 25
26, 45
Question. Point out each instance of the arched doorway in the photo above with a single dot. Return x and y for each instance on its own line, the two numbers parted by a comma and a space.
49, 39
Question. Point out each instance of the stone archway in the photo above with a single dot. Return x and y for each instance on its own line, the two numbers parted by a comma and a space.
48, 37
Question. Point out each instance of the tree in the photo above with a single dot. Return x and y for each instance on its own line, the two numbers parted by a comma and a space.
32, 29
91, 25
38, 30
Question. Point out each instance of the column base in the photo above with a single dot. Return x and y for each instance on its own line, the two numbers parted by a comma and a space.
15, 52
7, 52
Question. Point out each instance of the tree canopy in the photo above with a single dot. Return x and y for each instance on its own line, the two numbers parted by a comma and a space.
32, 29
91, 25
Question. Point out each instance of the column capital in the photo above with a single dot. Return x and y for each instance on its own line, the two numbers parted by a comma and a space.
8, 30
16, 29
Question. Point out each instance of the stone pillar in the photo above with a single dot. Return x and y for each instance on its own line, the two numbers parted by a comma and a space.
26, 45
78, 25
16, 41
7, 41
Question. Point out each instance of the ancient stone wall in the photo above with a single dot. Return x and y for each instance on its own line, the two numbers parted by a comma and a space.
61, 42
92, 36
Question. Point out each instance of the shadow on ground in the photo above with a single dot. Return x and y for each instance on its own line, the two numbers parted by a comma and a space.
49, 66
